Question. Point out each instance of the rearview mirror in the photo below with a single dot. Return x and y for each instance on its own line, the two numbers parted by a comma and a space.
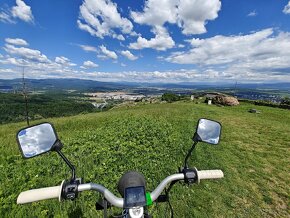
208, 131
36, 140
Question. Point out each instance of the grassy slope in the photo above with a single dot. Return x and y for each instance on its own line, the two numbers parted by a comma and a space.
153, 139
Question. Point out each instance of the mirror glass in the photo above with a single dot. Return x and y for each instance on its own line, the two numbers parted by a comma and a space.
36, 140
209, 131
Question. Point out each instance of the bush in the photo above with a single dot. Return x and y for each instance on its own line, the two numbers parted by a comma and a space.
170, 97
285, 101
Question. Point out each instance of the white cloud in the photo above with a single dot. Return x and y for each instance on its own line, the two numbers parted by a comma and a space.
227, 49
13, 61
7, 70
16, 41
286, 9
162, 40
64, 61
89, 64
248, 55
190, 15
108, 53
6, 17
88, 48
26, 53
156, 12
252, 14
101, 18
119, 37
129, 55
36, 64
174, 76
22, 11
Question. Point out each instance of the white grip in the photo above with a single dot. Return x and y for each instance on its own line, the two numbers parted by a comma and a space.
209, 174
39, 194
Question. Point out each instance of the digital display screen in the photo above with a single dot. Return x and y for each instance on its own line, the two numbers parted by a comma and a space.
135, 196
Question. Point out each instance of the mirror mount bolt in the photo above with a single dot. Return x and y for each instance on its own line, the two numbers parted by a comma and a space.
196, 137
57, 146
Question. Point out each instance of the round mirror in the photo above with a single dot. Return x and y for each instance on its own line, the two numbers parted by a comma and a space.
36, 140
209, 131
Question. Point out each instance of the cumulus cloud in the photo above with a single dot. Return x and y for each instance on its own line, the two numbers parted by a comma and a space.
190, 75
157, 12
108, 53
190, 15
16, 41
89, 64
286, 9
162, 40
37, 64
227, 49
64, 61
6, 70
26, 53
119, 37
88, 48
129, 55
101, 18
22, 11
262, 51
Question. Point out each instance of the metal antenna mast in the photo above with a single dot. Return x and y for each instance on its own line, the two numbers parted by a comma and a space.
235, 91
25, 96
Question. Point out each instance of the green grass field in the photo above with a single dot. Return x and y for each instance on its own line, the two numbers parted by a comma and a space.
254, 154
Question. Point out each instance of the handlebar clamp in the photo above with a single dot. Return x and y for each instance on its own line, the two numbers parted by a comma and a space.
70, 189
190, 175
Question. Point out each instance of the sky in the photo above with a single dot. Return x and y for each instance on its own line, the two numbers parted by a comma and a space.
164, 41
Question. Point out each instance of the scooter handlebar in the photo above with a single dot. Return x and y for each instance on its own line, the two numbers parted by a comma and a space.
55, 192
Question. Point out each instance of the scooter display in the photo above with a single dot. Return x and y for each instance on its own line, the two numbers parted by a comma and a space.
135, 198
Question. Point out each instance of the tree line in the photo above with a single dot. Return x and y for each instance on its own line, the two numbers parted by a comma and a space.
12, 107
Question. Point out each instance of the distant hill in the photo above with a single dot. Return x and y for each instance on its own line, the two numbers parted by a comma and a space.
91, 85
64, 84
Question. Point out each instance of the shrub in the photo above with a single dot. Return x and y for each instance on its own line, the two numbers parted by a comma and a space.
170, 97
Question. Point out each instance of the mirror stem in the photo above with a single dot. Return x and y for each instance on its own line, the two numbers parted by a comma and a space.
73, 177
188, 154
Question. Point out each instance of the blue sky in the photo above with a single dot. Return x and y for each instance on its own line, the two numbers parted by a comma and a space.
146, 41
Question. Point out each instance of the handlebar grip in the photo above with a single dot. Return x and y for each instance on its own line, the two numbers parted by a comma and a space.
39, 194
209, 174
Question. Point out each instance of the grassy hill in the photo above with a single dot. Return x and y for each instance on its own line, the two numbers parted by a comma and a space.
154, 139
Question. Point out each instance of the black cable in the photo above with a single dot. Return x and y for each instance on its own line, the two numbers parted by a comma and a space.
105, 208
171, 208
168, 199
